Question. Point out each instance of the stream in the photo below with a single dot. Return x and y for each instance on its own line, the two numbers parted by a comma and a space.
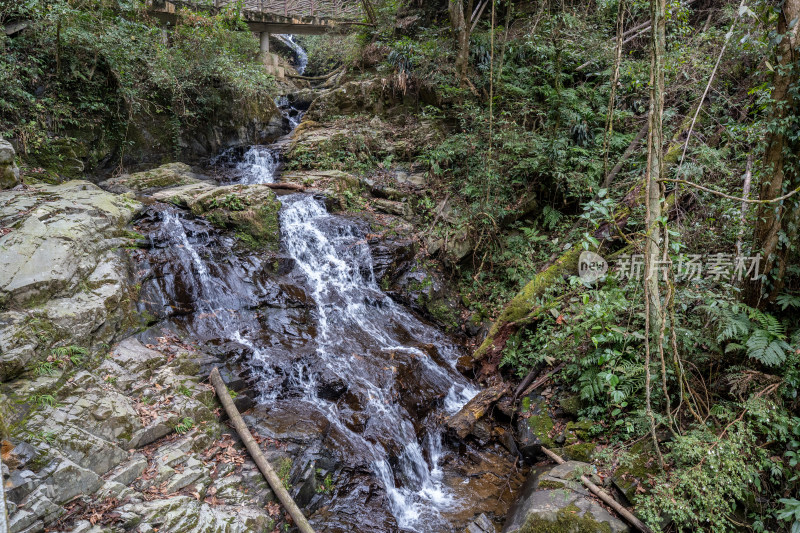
357, 381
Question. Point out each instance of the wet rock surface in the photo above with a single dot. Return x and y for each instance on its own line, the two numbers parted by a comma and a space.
555, 500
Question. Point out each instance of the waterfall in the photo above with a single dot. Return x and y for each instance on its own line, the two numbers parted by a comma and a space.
258, 165
354, 316
362, 338
398, 372
300, 55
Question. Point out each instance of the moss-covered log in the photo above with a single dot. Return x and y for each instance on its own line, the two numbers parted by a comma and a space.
523, 309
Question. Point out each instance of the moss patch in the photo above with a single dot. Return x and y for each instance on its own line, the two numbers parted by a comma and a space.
580, 452
252, 213
568, 520
549, 484
570, 404
522, 304
542, 425
633, 470
580, 429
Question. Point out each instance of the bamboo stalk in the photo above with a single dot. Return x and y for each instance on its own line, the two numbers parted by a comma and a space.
603, 495
257, 455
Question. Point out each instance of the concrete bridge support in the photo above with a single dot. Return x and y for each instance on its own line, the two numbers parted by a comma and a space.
264, 37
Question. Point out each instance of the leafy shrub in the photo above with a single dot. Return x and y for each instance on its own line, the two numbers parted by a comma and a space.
711, 476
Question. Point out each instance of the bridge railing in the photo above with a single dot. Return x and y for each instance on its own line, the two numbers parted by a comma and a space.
340, 9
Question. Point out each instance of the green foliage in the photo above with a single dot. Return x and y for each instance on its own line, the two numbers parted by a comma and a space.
73, 354
328, 52
184, 426
43, 400
284, 470
326, 485
710, 478
230, 202
744, 329
45, 368
85, 71
790, 513
48, 437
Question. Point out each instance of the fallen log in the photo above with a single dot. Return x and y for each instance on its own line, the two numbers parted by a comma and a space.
462, 423
255, 452
539, 382
603, 495
523, 307
533, 374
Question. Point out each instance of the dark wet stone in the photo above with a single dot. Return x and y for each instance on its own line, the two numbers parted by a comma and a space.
331, 389
391, 258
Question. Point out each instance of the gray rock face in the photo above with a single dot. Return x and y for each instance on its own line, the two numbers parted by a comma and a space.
60, 255
169, 175
556, 499
60, 242
9, 173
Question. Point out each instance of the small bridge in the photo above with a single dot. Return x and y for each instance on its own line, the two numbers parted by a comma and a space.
299, 17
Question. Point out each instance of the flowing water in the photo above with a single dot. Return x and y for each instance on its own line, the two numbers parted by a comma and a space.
300, 56
337, 364
376, 373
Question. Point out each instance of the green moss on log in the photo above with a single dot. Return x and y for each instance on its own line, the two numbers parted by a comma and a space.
520, 306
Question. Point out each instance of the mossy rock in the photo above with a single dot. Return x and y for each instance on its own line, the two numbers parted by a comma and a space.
568, 520
61, 158
169, 175
580, 429
251, 211
579, 452
542, 425
634, 470
570, 404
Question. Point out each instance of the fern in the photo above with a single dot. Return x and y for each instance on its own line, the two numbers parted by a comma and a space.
550, 217
759, 335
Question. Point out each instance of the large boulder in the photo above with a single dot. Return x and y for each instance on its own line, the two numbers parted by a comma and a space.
556, 501
63, 278
169, 175
9, 173
251, 211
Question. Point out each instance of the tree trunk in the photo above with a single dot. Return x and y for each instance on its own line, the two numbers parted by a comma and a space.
461, 30
779, 176
655, 163
653, 197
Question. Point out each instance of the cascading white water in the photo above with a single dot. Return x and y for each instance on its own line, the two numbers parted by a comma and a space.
292, 114
258, 165
301, 57
336, 261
